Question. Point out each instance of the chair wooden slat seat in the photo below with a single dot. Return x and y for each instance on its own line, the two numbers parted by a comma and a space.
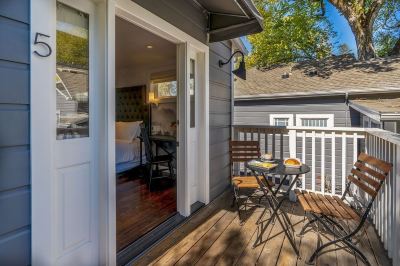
248, 181
326, 205
368, 174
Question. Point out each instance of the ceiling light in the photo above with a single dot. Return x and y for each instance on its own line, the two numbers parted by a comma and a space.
149, 46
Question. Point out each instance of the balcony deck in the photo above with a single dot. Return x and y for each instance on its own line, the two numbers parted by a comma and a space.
214, 236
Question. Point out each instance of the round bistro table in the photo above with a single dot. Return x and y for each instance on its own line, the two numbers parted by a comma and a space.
270, 192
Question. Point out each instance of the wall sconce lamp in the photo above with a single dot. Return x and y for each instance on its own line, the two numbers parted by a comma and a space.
152, 98
241, 70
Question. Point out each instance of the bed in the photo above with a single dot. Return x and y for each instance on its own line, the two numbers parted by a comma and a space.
131, 111
127, 154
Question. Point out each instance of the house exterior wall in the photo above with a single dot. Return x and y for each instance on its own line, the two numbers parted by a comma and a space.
15, 235
258, 112
188, 17
220, 118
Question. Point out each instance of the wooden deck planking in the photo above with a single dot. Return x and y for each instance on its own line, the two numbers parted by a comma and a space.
237, 246
250, 254
214, 236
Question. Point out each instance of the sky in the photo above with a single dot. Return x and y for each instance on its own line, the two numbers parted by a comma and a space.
340, 26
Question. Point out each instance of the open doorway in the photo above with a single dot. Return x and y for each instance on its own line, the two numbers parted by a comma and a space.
146, 130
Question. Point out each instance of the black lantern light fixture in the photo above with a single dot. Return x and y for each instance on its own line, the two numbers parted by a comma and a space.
241, 70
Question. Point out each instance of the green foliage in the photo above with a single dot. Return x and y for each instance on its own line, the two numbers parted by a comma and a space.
294, 30
387, 27
72, 50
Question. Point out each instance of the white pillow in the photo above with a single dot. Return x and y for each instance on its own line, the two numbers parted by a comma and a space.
127, 130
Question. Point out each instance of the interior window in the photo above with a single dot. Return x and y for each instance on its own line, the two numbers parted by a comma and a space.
72, 73
164, 89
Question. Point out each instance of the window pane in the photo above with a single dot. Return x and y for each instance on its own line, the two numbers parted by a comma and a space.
72, 73
375, 125
311, 122
192, 91
281, 122
165, 89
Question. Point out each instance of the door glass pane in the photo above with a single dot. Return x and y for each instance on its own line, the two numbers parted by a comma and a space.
72, 76
192, 89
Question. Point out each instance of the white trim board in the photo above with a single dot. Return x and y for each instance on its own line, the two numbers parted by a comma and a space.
272, 118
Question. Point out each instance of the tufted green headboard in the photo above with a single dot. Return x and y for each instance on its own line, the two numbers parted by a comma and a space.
131, 104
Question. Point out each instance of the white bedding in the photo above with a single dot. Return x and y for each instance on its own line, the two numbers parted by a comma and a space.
126, 151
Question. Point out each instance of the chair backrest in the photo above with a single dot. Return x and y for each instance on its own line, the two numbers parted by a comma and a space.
369, 174
144, 133
243, 151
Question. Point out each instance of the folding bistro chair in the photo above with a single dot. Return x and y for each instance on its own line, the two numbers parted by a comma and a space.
153, 160
368, 174
241, 152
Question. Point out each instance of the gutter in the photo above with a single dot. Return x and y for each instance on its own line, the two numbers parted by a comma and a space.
296, 95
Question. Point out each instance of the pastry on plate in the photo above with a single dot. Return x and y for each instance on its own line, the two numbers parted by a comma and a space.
292, 162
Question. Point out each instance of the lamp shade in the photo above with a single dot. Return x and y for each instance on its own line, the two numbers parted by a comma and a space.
152, 98
241, 70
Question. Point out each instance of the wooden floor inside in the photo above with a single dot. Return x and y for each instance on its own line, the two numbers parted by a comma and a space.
214, 236
138, 209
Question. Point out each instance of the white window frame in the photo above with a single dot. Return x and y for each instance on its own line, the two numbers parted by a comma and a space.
272, 118
330, 117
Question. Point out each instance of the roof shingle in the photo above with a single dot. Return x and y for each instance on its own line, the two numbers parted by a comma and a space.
334, 74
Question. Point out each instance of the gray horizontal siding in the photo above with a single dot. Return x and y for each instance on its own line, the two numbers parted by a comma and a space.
258, 112
15, 235
220, 118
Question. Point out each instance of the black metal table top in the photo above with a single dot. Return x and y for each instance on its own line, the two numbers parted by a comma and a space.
281, 169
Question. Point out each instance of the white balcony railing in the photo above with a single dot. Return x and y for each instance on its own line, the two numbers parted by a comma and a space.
331, 153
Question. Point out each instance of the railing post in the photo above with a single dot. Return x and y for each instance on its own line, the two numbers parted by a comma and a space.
292, 143
292, 152
396, 202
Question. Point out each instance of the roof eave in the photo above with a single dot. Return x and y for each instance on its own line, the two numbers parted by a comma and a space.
312, 94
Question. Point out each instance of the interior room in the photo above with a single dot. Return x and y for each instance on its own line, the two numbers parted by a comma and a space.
146, 129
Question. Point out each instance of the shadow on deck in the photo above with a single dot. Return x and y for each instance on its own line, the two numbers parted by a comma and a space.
214, 236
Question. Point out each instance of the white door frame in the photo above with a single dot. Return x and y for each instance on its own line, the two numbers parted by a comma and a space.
143, 18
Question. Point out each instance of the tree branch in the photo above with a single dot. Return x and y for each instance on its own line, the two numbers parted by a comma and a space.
374, 10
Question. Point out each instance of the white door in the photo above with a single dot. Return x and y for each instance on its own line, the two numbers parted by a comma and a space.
72, 207
76, 190
193, 123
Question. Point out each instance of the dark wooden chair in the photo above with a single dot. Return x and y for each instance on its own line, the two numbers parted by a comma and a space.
155, 161
241, 152
368, 174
